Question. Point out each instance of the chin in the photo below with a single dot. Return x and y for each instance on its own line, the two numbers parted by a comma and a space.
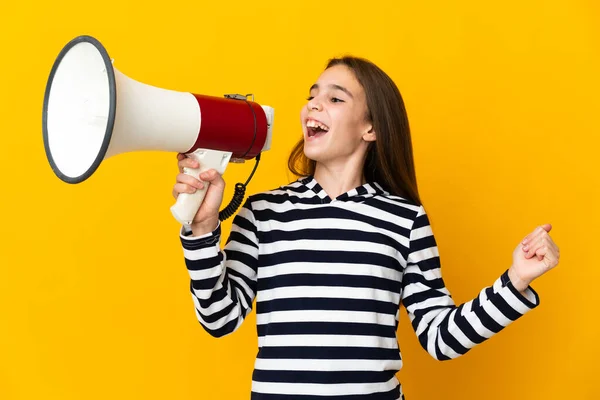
314, 153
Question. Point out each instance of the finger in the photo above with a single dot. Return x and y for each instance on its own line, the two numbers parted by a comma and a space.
531, 248
541, 252
187, 163
554, 258
540, 230
530, 236
550, 243
189, 180
212, 176
180, 157
547, 240
548, 262
548, 256
179, 188
539, 257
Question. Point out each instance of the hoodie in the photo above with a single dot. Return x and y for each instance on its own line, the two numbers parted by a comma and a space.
327, 277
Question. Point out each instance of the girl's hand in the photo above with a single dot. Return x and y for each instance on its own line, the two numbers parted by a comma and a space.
207, 216
533, 257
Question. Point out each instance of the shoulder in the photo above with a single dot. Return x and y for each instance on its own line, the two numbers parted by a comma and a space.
398, 205
414, 216
279, 194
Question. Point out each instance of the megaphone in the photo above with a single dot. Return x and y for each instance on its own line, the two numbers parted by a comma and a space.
92, 112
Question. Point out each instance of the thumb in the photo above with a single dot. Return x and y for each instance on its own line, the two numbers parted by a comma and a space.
547, 227
212, 176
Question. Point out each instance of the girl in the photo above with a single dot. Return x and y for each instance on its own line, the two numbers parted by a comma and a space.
330, 257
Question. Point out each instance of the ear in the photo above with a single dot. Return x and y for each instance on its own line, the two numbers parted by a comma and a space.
369, 135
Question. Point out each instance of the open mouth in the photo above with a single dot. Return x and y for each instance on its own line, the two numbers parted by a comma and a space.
315, 128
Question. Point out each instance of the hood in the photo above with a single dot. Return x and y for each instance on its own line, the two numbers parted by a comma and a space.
358, 194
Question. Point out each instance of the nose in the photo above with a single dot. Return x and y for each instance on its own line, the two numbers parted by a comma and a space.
314, 105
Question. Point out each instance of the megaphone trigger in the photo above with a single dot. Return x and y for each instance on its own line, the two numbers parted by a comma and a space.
187, 204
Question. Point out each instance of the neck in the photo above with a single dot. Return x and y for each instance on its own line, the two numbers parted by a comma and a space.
339, 179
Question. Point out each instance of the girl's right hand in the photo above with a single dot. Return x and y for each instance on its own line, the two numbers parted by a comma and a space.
207, 217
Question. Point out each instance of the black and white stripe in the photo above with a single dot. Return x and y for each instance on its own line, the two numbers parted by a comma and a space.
328, 276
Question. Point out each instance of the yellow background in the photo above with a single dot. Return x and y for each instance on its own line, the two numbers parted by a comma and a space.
503, 103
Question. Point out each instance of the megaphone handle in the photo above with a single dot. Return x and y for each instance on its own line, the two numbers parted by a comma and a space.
187, 204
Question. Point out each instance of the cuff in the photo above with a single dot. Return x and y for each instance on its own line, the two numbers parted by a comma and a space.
190, 242
530, 299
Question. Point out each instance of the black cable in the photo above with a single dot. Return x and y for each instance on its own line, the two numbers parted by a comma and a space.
238, 196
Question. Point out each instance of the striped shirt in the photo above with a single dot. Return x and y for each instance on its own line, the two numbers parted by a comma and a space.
328, 277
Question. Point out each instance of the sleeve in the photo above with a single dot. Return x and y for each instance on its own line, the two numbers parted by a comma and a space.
223, 282
443, 329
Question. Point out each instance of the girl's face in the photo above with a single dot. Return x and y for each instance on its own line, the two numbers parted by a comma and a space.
334, 120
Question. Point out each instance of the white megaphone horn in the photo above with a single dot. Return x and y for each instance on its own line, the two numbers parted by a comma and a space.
92, 112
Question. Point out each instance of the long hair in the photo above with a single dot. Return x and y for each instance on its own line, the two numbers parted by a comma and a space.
389, 160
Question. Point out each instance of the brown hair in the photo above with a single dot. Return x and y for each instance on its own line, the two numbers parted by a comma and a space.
389, 160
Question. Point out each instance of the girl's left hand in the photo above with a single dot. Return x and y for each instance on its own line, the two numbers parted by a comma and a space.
533, 257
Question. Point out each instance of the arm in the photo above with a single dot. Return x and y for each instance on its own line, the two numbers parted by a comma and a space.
445, 330
223, 282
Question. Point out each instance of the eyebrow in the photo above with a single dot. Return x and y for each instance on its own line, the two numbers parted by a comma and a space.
334, 86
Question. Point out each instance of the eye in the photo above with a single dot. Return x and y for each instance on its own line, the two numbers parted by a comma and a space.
336, 100
309, 98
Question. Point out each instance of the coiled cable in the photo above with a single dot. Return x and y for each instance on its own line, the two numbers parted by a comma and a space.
238, 195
